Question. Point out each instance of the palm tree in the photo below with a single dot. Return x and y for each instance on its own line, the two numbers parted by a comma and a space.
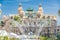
59, 12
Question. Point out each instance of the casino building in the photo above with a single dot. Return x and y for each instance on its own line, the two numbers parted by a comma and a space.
32, 22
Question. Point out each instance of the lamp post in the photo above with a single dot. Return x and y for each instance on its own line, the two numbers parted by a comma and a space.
59, 12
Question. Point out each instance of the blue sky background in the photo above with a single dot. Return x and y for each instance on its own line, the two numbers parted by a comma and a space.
49, 6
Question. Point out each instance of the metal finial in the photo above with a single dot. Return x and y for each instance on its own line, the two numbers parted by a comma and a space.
40, 5
20, 4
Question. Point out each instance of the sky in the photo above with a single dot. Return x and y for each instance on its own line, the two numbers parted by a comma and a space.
49, 6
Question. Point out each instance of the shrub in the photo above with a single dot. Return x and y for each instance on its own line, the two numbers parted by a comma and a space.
43, 38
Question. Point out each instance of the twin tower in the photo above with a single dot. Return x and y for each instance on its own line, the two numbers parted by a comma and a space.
39, 13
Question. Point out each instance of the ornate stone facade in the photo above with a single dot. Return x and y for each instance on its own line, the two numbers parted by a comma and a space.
32, 23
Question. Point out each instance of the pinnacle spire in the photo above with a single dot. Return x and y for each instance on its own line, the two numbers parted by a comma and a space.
40, 5
20, 4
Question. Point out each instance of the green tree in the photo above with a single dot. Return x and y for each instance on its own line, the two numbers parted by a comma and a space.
58, 36
53, 37
1, 23
6, 38
18, 19
43, 38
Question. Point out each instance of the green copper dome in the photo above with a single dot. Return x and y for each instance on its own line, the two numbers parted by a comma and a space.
30, 9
